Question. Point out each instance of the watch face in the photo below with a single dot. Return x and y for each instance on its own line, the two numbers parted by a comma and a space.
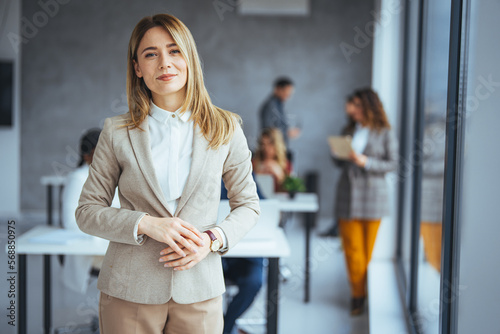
215, 246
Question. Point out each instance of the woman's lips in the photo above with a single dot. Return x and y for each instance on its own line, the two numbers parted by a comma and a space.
166, 77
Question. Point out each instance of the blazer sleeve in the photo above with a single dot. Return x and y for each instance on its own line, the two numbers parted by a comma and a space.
241, 190
388, 162
94, 214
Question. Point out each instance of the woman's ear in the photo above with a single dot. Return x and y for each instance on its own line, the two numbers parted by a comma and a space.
137, 69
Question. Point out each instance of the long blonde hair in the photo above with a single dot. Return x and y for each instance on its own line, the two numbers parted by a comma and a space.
216, 124
276, 137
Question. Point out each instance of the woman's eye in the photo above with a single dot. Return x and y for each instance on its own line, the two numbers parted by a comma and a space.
149, 55
175, 51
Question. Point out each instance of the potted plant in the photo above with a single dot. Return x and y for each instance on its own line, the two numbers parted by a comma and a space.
293, 185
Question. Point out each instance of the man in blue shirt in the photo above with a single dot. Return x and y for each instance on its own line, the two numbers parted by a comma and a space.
272, 113
246, 273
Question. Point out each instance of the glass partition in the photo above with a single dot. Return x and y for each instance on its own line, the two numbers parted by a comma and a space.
432, 153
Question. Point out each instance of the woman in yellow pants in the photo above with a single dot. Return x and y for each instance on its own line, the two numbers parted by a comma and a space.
361, 199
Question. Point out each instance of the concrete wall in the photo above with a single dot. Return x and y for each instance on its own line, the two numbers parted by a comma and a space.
10, 151
74, 74
386, 73
478, 291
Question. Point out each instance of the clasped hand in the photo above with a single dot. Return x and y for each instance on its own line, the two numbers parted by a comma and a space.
358, 159
194, 254
187, 246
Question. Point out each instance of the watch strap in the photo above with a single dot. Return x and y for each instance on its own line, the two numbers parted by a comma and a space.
211, 235
215, 245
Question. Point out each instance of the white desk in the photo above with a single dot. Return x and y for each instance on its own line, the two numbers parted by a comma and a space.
308, 204
52, 180
302, 202
273, 247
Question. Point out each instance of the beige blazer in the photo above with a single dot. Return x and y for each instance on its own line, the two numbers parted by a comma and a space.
131, 270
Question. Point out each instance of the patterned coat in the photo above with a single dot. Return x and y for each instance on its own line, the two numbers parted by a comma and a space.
363, 193
433, 155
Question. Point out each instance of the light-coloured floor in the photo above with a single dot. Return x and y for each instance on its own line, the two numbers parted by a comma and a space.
326, 313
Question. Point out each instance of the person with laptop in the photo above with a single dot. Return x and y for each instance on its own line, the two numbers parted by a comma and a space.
270, 157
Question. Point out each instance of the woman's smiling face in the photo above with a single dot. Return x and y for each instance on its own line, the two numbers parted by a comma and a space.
161, 65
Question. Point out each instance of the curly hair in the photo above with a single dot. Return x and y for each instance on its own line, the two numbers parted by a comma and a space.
373, 110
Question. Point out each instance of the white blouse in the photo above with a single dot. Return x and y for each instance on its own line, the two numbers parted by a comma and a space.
171, 139
171, 142
360, 140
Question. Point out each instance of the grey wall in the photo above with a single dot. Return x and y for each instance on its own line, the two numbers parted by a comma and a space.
478, 292
10, 144
74, 75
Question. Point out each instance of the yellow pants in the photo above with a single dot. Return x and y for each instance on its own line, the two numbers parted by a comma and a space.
431, 233
358, 238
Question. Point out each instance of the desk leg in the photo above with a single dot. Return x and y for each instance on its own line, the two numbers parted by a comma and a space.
272, 295
21, 297
59, 206
47, 311
309, 217
49, 205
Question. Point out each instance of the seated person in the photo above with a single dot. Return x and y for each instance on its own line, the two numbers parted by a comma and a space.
76, 268
270, 157
246, 273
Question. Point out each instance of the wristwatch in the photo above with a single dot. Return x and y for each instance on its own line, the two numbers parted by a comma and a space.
215, 244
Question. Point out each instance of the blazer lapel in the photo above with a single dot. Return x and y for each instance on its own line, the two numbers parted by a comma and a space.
368, 146
141, 146
200, 155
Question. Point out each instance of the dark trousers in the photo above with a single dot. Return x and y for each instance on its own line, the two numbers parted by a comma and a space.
246, 273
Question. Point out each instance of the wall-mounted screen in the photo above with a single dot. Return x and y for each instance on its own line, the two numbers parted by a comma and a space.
6, 92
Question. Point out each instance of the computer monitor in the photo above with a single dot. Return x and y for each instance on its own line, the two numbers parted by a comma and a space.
6, 92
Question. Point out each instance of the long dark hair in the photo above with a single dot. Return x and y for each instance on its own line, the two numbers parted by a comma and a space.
373, 110
88, 142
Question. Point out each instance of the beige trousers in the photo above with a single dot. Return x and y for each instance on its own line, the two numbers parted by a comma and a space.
124, 317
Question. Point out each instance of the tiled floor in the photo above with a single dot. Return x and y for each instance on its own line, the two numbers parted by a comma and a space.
326, 313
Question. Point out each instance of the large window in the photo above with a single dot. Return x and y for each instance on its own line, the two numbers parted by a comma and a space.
432, 156
448, 192
422, 170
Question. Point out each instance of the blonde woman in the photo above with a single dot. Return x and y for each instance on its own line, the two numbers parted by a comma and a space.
270, 157
162, 272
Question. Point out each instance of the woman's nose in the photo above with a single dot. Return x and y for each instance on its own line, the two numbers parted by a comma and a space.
165, 62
